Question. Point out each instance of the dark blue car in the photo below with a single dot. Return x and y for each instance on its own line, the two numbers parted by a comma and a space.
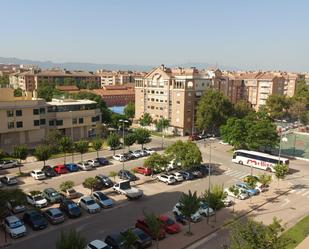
102, 161
72, 167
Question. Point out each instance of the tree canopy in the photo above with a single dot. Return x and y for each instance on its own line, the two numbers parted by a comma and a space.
277, 106
162, 124
142, 136
113, 141
145, 120
242, 108
156, 162
42, 153
129, 110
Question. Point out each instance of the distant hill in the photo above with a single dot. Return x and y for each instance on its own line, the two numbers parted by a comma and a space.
94, 66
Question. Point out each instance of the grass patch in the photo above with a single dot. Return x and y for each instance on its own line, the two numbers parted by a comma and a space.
298, 232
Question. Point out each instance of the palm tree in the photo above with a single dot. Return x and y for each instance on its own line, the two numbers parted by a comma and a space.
71, 240
129, 239
66, 145
155, 226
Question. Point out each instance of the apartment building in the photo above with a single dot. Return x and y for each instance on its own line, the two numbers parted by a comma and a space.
116, 78
172, 94
290, 83
25, 120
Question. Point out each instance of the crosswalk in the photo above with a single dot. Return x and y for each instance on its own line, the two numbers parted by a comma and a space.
237, 174
300, 191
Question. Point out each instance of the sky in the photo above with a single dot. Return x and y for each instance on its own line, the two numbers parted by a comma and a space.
245, 34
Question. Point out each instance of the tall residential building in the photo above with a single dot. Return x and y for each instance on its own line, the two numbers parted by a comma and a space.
116, 78
25, 120
172, 94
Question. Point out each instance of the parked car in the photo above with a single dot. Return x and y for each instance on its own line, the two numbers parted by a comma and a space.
9, 180
72, 167
89, 205
84, 166
227, 201
143, 239
124, 188
102, 161
168, 179
137, 153
205, 210
36, 200
149, 151
115, 241
143, 171
105, 181
38, 174
144, 152
196, 173
94, 162
70, 208
169, 224
14, 227
15, 206
49, 171
60, 169
242, 195
246, 188
172, 165
259, 186
129, 155
103, 200
178, 176
141, 224
127, 175
70, 193
51, 195
196, 217
120, 158
203, 169
35, 219
54, 215
187, 175
5, 164
97, 244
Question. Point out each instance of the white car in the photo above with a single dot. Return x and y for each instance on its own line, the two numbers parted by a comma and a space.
178, 176
14, 227
84, 166
89, 204
168, 179
36, 200
227, 201
205, 209
242, 194
119, 157
194, 217
149, 151
97, 244
5, 164
38, 174
137, 153
172, 165
94, 162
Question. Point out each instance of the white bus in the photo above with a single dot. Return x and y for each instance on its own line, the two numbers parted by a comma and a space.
257, 159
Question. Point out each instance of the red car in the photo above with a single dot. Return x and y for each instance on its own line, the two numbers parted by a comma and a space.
61, 169
141, 224
143, 171
169, 224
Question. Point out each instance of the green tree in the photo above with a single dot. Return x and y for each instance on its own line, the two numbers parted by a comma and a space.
145, 120
235, 191
65, 146
101, 130
52, 140
113, 141
42, 153
129, 239
81, 147
113, 174
161, 125
156, 162
71, 240
277, 106
302, 91
46, 92
97, 145
64, 186
213, 110
129, 140
242, 108
298, 108
18, 92
20, 152
4, 81
90, 183
155, 226
187, 153
265, 179
2, 154
250, 234
142, 136
17, 195
281, 170
189, 205
129, 111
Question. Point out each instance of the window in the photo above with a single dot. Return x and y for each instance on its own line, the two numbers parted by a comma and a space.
10, 125
59, 122
43, 121
42, 110
19, 113
81, 120
9, 113
74, 121
51, 122
178, 102
95, 119
35, 111
36, 122
19, 124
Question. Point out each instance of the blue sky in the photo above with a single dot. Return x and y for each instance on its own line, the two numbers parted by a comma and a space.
248, 34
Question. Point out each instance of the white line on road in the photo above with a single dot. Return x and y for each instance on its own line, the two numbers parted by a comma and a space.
286, 201
202, 241
305, 193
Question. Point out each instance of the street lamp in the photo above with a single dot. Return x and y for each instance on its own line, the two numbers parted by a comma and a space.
123, 121
72, 135
282, 139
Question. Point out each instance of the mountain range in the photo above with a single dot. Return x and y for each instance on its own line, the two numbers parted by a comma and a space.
87, 66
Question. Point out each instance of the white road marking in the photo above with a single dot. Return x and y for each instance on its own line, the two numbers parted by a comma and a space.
286, 201
300, 191
305, 193
202, 241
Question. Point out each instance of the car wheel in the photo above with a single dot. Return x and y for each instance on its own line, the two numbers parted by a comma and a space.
240, 162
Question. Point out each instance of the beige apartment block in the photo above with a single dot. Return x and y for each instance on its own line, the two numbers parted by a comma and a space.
25, 120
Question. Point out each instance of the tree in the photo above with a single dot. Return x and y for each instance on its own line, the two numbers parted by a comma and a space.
189, 205
265, 179
213, 110
235, 192
81, 147
145, 120
281, 170
129, 239
129, 140
129, 111
18, 92
101, 130
235, 132
113, 141
277, 106
17, 195
187, 153
302, 91
2, 154
71, 240
64, 186
298, 108
142, 136
161, 125
20, 152
155, 226
52, 140
65, 145
242, 108
4, 81
46, 92
156, 162
90, 183
113, 174
42, 153
97, 145
250, 234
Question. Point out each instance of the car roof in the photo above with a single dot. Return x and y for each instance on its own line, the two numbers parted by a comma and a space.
86, 198
54, 210
98, 243
12, 218
50, 190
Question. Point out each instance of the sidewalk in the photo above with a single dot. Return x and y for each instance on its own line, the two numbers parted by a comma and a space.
304, 244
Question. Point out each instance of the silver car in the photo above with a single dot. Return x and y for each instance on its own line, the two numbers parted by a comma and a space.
5, 164
94, 162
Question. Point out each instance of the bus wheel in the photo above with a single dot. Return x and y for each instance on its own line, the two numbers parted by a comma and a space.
240, 162
268, 170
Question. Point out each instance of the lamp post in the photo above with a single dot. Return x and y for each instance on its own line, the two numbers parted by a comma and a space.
72, 135
282, 139
123, 121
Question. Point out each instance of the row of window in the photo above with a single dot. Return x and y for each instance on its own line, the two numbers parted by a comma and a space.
156, 100
157, 108
156, 92
19, 124
10, 113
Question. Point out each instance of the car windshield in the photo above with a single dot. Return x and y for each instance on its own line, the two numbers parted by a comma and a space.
38, 198
54, 194
16, 224
102, 197
125, 185
204, 205
36, 216
72, 205
39, 173
90, 202
142, 236
169, 222
57, 215
71, 191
